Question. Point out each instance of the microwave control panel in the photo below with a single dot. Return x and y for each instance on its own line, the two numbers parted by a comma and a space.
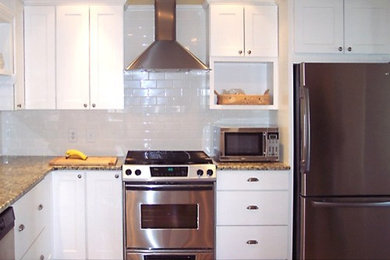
273, 144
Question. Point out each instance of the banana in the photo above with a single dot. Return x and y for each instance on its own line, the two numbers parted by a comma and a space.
75, 154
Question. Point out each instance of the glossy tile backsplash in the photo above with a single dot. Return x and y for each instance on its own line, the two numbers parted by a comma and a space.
162, 110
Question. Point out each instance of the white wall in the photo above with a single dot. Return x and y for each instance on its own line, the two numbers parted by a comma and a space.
162, 110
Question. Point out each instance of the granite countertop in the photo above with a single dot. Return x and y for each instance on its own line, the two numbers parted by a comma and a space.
251, 166
19, 174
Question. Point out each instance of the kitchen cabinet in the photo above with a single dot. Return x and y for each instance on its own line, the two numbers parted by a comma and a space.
250, 30
80, 58
40, 92
32, 223
6, 41
342, 26
252, 215
243, 52
87, 215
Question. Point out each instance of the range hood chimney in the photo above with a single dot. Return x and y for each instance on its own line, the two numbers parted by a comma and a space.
165, 53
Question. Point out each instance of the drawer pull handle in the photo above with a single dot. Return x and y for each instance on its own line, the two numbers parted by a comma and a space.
40, 207
252, 242
79, 176
253, 179
116, 176
21, 227
252, 207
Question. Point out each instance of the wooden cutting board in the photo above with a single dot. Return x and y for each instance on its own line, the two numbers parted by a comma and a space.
90, 161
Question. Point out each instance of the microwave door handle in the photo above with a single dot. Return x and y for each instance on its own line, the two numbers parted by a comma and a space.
305, 116
264, 144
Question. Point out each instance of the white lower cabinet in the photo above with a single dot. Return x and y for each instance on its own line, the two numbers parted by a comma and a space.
32, 223
252, 216
87, 215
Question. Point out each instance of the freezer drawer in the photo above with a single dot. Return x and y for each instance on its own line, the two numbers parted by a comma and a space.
345, 228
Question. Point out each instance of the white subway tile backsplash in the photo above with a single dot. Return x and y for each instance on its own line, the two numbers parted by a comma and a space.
163, 110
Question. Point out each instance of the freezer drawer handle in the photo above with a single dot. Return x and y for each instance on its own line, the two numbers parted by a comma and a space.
252, 207
252, 242
352, 204
253, 179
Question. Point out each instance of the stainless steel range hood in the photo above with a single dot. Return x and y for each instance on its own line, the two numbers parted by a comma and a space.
165, 53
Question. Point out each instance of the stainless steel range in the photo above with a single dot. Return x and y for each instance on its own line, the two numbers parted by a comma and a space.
169, 205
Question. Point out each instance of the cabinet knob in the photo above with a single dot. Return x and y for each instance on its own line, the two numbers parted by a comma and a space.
85, 105
94, 105
19, 105
240, 52
116, 176
349, 48
340, 48
252, 242
21, 227
40, 207
253, 179
252, 207
79, 176
42, 257
249, 52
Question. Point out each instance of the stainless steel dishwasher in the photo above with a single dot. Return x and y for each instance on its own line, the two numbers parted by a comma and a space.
7, 222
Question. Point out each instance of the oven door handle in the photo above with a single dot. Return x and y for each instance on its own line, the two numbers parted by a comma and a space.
172, 186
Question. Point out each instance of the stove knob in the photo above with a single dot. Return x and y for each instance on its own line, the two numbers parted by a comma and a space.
210, 172
199, 172
138, 172
128, 172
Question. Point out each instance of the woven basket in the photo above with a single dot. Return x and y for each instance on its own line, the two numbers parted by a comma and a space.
242, 99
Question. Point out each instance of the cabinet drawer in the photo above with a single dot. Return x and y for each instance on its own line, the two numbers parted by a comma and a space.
252, 242
40, 249
252, 207
31, 216
252, 180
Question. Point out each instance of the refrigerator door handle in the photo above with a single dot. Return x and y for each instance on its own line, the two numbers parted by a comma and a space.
305, 116
350, 204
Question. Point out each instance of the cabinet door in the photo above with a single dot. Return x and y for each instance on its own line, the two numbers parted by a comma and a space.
367, 27
106, 66
104, 215
226, 30
261, 31
69, 215
72, 70
39, 44
318, 26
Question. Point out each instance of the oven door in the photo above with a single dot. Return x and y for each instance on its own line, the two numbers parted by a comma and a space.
172, 255
170, 216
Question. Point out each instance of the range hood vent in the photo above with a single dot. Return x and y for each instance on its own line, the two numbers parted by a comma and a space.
165, 53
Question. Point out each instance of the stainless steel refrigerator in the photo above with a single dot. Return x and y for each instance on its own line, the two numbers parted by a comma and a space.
342, 161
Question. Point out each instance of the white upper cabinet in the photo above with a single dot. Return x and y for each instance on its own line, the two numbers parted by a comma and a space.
39, 57
72, 70
342, 26
106, 67
250, 30
77, 62
6, 41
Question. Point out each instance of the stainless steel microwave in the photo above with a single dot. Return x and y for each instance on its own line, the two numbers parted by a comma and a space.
247, 144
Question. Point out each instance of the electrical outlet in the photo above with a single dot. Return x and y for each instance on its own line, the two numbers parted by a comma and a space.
91, 136
72, 135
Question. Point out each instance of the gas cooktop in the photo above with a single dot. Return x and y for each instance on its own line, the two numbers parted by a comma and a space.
168, 166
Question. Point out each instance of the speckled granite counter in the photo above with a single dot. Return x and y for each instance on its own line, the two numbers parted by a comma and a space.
19, 174
251, 166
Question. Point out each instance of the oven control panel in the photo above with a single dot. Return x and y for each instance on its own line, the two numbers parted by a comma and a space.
169, 173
